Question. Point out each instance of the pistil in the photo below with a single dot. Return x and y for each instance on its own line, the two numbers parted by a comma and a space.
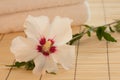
46, 47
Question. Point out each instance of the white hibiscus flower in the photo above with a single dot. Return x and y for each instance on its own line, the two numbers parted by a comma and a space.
45, 44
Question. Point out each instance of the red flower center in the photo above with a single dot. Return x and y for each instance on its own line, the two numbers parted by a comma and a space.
46, 47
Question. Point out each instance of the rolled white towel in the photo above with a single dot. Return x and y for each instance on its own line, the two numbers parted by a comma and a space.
14, 22
11, 6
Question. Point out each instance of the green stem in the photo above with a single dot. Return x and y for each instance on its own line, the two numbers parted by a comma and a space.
81, 34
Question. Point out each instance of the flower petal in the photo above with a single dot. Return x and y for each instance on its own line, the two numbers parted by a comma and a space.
65, 56
40, 62
61, 30
23, 49
51, 66
35, 27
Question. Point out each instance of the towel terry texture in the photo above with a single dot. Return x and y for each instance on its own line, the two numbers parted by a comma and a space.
14, 21
11, 6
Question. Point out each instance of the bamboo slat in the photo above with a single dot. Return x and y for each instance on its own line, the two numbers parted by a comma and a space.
113, 13
6, 57
92, 62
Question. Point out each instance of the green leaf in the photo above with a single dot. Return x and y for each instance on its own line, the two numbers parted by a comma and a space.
90, 28
117, 26
75, 38
111, 29
87, 26
100, 31
108, 37
89, 33
51, 73
19, 64
29, 65
74, 35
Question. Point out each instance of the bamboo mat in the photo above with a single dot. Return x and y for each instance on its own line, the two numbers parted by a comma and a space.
95, 60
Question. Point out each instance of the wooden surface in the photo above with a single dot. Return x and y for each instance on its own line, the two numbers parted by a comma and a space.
95, 60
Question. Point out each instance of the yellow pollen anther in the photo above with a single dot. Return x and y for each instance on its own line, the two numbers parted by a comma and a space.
47, 46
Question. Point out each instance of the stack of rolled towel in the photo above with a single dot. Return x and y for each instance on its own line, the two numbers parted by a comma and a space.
14, 12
